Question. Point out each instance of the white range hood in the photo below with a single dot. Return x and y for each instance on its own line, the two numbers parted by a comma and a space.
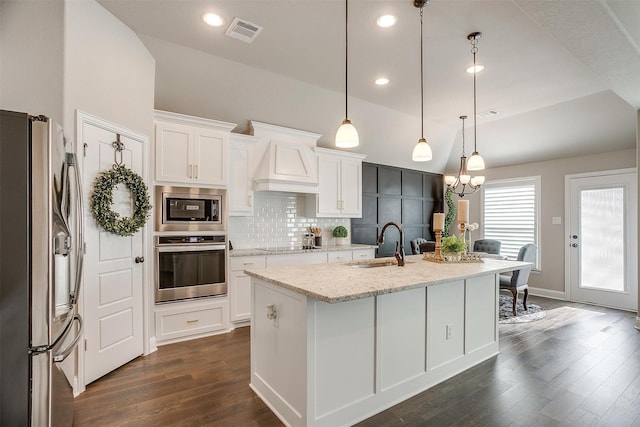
288, 162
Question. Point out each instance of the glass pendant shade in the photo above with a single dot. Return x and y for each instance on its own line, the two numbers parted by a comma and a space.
347, 135
422, 151
475, 162
464, 179
477, 180
449, 179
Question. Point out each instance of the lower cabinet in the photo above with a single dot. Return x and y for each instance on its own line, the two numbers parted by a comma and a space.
240, 285
190, 319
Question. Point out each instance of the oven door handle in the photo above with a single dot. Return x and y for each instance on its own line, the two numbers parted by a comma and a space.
191, 248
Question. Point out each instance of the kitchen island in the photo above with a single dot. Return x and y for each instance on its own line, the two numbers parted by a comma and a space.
333, 344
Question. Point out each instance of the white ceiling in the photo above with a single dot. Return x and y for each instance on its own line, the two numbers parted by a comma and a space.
563, 74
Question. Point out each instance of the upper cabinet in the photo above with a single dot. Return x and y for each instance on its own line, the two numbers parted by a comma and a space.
242, 163
191, 150
339, 185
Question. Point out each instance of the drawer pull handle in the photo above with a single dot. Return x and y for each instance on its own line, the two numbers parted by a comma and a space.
248, 263
192, 321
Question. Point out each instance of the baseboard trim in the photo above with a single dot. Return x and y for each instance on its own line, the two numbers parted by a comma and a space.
153, 346
548, 293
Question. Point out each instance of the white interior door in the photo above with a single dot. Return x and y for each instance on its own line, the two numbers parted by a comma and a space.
113, 281
603, 240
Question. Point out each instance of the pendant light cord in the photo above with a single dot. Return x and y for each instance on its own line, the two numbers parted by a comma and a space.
346, 58
421, 81
474, 42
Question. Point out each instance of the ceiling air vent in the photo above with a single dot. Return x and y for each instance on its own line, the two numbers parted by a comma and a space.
243, 30
488, 113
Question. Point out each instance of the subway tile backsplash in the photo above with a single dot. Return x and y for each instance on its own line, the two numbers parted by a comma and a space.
279, 221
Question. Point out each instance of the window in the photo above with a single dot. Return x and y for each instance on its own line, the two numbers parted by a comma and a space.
510, 211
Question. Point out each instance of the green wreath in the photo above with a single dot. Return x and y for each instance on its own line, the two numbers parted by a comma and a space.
102, 199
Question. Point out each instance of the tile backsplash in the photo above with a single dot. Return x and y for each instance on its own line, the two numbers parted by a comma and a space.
279, 221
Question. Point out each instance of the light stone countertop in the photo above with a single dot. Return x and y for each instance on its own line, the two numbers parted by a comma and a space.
286, 251
338, 282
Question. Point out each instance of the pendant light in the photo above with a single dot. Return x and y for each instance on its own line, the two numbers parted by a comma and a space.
464, 180
347, 135
476, 162
422, 150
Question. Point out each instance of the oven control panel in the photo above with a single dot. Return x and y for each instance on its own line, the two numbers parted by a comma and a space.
189, 240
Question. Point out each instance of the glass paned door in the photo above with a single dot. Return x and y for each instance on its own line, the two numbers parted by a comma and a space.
602, 240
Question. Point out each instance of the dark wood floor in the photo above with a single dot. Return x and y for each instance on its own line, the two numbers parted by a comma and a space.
579, 366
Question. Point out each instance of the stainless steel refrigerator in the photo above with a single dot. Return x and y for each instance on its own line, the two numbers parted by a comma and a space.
40, 270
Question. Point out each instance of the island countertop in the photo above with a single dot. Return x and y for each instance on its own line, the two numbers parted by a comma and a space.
338, 282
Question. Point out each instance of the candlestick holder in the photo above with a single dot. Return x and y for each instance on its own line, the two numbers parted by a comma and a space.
462, 227
437, 253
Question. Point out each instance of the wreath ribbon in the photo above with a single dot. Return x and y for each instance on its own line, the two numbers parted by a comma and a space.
102, 199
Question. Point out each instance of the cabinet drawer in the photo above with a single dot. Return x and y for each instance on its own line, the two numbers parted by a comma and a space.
364, 254
247, 262
340, 256
181, 320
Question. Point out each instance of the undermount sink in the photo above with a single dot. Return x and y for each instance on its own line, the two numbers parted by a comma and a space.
372, 264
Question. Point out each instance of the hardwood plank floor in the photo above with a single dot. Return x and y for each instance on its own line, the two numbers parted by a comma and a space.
578, 366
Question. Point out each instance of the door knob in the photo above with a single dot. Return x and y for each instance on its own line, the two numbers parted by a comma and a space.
574, 236
139, 259
574, 245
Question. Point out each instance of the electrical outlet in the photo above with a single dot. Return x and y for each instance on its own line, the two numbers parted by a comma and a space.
448, 332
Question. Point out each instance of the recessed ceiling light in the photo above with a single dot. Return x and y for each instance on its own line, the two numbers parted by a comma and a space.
475, 69
213, 19
381, 81
386, 21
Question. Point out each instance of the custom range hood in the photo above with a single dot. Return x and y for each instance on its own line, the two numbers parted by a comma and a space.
288, 162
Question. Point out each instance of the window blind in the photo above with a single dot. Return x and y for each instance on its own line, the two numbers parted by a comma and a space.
510, 214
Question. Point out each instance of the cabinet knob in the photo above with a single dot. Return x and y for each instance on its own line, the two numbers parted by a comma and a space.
139, 259
574, 245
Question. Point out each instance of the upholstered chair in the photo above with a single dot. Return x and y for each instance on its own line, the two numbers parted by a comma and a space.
519, 279
415, 245
489, 246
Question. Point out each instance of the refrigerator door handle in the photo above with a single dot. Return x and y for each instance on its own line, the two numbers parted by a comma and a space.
62, 354
72, 162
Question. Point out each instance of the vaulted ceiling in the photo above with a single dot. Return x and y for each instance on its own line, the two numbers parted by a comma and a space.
562, 74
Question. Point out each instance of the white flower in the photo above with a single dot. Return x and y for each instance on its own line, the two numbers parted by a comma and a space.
473, 227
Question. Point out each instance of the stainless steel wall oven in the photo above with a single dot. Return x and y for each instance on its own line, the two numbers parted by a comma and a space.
190, 267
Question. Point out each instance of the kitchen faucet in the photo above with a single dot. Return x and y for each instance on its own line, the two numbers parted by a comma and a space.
399, 244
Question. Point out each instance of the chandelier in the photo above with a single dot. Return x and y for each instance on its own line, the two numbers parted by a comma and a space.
464, 183
464, 180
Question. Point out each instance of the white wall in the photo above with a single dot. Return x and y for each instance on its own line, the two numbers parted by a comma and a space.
238, 93
107, 70
32, 57
552, 175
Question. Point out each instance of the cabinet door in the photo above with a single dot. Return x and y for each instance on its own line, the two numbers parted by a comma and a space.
240, 188
240, 296
351, 187
173, 152
210, 157
328, 186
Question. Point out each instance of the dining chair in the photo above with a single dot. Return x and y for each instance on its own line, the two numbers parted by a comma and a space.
519, 279
489, 246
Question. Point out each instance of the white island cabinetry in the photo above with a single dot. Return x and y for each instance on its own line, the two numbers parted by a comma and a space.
338, 346
191, 150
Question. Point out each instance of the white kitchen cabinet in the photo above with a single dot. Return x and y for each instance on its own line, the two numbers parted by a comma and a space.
240, 285
242, 153
191, 150
191, 319
339, 256
297, 259
360, 254
339, 185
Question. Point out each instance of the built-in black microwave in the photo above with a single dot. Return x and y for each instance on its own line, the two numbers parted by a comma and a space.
190, 209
